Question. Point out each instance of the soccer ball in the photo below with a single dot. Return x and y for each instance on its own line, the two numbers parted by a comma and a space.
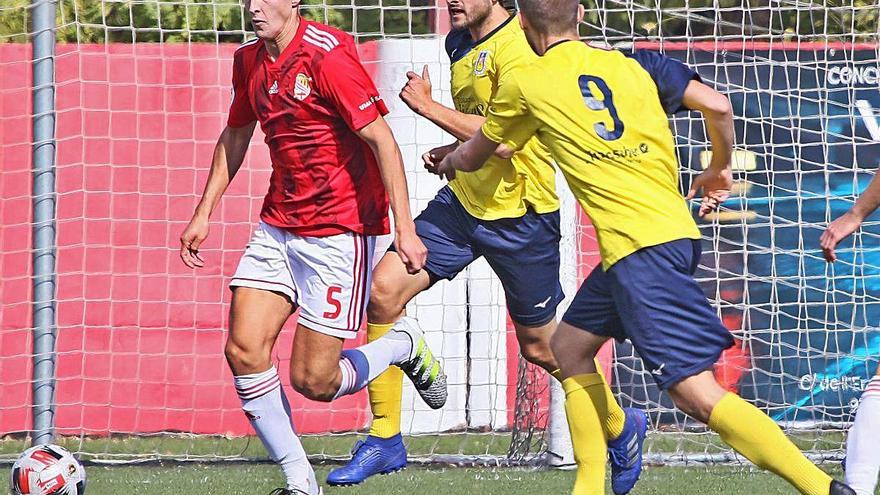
47, 470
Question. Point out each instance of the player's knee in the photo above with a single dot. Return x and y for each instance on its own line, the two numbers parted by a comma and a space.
538, 352
312, 385
694, 405
243, 360
567, 351
386, 302
557, 345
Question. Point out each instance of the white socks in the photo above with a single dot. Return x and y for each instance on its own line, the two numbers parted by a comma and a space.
360, 366
266, 406
863, 442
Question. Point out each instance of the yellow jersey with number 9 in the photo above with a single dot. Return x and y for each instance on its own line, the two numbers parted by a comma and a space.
604, 117
502, 188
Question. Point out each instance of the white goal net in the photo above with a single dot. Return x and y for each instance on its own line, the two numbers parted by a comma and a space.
141, 92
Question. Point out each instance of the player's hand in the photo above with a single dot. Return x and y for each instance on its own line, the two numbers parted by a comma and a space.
715, 182
417, 91
433, 158
193, 236
445, 168
411, 250
836, 232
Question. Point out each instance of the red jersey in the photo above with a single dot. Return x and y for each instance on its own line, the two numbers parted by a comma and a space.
310, 102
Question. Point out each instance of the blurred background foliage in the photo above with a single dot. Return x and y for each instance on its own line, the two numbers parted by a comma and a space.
101, 21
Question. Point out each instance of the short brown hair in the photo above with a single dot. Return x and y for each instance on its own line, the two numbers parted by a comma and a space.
551, 16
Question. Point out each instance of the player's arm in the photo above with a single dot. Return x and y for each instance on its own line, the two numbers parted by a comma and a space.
847, 223
508, 128
418, 97
717, 179
410, 248
680, 88
468, 157
228, 156
343, 80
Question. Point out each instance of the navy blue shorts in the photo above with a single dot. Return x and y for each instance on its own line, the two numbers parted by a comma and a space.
523, 252
651, 298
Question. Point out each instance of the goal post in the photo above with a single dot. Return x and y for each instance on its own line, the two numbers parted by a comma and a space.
141, 91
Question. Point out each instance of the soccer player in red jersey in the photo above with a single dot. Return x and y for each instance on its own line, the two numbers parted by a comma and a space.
335, 165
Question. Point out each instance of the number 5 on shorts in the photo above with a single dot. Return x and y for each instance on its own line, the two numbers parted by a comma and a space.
332, 292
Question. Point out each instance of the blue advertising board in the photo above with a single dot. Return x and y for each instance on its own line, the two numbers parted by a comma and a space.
808, 333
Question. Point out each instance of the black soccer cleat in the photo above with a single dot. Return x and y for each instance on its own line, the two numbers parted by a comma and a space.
838, 488
285, 491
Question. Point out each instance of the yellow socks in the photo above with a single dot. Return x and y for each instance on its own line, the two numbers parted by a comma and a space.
754, 435
585, 401
385, 392
613, 420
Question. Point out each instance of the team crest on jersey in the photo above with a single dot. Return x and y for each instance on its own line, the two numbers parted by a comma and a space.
303, 87
482, 63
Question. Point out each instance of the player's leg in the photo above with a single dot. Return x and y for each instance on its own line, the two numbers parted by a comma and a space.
261, 303
393, 287
383, 451
534, 345
750, 432
334, 275
679, 337
524, 253
593, 308
586, 404
862, 448
444, 228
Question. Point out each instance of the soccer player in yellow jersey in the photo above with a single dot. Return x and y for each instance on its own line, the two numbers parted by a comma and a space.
603, 117
507, 212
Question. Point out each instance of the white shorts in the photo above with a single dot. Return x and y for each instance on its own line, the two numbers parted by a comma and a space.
327, 277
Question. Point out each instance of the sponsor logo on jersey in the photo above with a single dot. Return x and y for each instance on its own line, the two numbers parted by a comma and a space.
618, 154
303, 87
482, 63
274, 89
367, 104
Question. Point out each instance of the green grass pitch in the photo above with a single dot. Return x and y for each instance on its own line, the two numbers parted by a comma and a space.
260, 479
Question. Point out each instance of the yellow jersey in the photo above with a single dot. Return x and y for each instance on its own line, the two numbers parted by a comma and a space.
604, 117
502, 188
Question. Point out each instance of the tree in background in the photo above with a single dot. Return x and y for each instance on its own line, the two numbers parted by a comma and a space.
127, 21
621, 20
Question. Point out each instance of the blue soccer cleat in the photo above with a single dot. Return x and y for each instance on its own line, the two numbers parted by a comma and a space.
625, 452
370, 457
